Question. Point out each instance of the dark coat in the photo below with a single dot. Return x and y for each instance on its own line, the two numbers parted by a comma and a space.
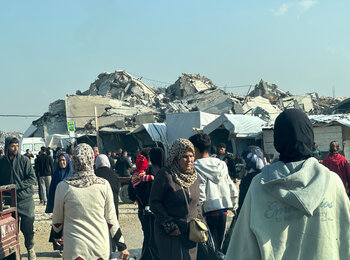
122, 166
112, 178
169, 206
45, 163
21, 173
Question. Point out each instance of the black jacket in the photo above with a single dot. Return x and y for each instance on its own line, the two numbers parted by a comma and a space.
122, 166
45, 165
21, 173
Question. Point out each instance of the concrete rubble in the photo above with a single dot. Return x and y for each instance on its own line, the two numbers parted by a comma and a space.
3, 136
123, 103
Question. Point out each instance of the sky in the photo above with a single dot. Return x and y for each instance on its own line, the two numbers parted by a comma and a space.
52, 48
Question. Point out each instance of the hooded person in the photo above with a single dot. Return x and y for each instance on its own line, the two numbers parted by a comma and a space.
84, 210
218, 193
157, 158
295, 208
17, 169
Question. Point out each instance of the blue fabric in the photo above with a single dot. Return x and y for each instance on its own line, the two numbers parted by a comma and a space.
59, 175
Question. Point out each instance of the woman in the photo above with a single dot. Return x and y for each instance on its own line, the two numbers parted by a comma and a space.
63, 170
85, 211
157, 157
338, 164
255, 160
168, 203
103, 170
295, 208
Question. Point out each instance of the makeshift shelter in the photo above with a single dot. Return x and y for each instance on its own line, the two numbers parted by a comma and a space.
151, 135
184, 125
327, 128
237, 131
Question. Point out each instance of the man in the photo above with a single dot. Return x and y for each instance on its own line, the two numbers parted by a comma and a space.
111, 160
45, 173
29, 154
1, 153
228, 158
218, 194
123, 165
16, 169
96, 151
295, 208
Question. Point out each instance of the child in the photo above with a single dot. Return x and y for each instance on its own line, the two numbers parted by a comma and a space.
140, 175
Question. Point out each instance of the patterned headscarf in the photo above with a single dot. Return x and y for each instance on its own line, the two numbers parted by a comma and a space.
177, 151
83, 161
102, 161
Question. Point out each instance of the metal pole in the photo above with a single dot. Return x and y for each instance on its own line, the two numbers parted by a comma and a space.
97, 134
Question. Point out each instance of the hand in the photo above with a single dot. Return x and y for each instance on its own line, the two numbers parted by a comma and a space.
234, 212
124, 254
135, 203
59, 241
175, 233
152, 177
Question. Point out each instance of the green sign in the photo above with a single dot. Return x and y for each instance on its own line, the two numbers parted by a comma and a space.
71, 126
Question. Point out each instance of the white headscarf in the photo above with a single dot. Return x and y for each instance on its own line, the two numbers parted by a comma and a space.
102, 161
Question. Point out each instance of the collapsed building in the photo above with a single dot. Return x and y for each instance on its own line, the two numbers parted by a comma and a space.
119, 110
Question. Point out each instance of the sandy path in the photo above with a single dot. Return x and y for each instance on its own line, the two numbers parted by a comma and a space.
129, 223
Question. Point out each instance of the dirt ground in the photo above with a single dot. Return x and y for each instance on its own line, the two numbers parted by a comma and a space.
129, 222
128, 219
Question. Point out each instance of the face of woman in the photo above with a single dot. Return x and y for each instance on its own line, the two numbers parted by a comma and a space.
186, 162
62, 161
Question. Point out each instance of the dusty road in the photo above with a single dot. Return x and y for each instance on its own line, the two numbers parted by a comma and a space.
129, 223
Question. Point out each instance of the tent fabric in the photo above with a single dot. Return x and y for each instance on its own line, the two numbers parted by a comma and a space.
184, 125
242, 125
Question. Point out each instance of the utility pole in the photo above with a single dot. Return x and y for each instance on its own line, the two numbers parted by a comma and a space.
97, 134
333, 91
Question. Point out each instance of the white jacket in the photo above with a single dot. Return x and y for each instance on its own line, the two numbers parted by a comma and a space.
217, 190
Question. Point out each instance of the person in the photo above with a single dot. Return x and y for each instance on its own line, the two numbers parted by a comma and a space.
111, 160
255, 161
63, 170
103, 170
123, 165
337, 163
168, 203
29, 154
85, 211
157, 157
218, 193
228, 158
1, 153
17, 169
316, 152
96, 151
295, 208
37, 170
141, 187
45, 173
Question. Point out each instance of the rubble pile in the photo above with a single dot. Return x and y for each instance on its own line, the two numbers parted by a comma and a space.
123, 102
120, 85
189, 84
3, 136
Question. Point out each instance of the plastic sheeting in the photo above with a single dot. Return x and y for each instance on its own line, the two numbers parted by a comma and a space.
184, 125
240, 125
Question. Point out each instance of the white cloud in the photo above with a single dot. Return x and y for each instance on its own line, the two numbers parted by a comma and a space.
282, 10
301, 6
305, 5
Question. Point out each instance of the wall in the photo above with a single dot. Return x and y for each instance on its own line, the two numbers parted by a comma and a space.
323, 136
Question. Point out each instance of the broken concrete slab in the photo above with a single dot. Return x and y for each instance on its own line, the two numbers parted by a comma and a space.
189, 84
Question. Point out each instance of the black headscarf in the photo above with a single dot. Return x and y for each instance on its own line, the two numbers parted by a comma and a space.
157, 157
293, 136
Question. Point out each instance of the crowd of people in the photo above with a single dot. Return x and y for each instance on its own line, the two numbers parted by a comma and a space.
296, 207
